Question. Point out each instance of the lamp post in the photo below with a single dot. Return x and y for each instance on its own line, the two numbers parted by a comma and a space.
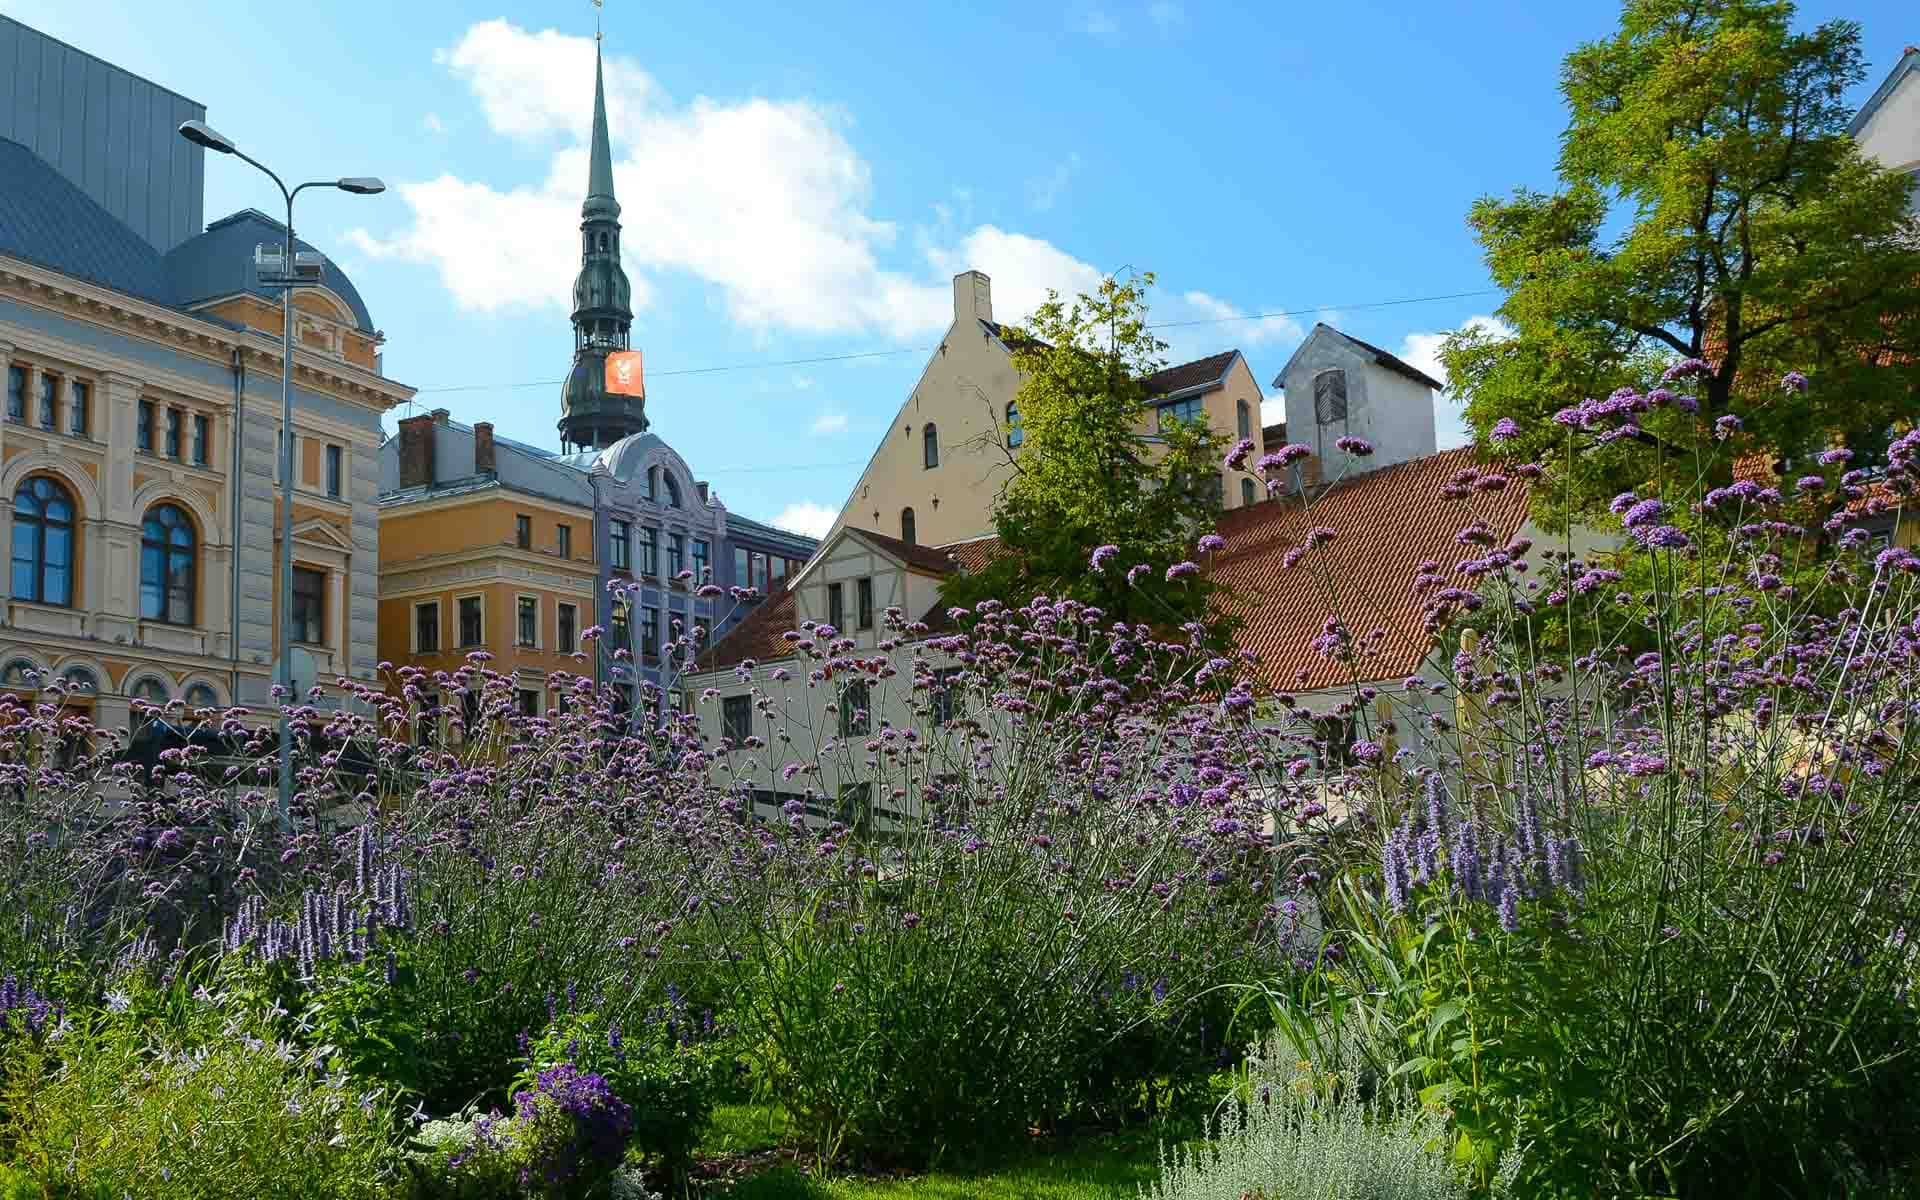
200, 134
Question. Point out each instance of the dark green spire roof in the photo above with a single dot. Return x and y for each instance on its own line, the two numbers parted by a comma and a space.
600, 201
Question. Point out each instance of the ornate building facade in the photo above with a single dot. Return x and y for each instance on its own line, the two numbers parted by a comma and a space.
139, 495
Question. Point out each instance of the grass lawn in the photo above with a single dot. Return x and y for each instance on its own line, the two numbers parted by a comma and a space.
1104, 1167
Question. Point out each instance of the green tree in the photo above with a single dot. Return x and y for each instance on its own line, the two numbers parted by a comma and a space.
1712, 205
1085, 475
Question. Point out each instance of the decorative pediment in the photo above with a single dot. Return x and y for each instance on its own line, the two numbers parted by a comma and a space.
317, 532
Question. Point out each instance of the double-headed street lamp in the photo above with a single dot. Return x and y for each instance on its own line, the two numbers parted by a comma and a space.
293, 274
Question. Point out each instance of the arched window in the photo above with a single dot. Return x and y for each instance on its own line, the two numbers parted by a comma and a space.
908, 533
167, 566
930, 443
1015, 434
1246, 490
1245, 418
673, 489
43, 542
202, 695
153, 692
20, 673
80, 681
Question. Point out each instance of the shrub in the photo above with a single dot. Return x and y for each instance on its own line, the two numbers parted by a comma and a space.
1299, 1130
566, 1138
111, 1108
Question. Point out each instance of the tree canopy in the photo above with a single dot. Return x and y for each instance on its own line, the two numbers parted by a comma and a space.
1712, 205
1085, 474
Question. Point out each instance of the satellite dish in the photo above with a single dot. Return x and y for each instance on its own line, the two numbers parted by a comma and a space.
303, 672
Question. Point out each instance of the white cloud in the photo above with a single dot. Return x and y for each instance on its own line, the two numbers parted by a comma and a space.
1046, 190
1273, 409
766, 201
1094, 21
1423, 351
1166, 15
830, 422
432, 124
806, 517
1235, 325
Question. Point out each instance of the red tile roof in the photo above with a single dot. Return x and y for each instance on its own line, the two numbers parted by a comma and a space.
976, 554
926, 558
1385, 523
758, 636
1181, 376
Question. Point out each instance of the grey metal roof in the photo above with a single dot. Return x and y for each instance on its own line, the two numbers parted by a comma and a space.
219, 263
739, 526
1909, 64
45, 219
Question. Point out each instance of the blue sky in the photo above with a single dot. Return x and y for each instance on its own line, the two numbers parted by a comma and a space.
801, 183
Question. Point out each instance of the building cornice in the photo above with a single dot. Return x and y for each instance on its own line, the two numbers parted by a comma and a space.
192, 334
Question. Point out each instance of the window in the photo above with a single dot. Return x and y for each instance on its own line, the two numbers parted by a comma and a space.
649, 551
653, 487
650, 631
1244, 417
79, 400
1187, 410
309, 605
908, 534
673, 490
736, 718
865, 591
740, 566
758, 574
426, 627
472, 627
173, 433
1246, 490
702, 560
43, 542
202, 695
526, 703
427, 722
523, 531
143, 428
564, 544
620, 633
20, 673
150, 691
1330, 397
930, 444
1015, 434
526, 630
776, 571
837, 606
166, 566
946, 695
49, 400
854, 717
336, 457
569, 629
676, 554
619, 549
16, 393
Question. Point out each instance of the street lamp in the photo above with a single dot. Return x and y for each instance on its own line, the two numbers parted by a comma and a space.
294, 274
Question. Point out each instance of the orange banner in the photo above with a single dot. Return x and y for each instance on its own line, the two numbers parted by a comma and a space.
624, 376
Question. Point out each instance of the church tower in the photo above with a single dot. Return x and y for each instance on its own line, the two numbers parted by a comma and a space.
591, 417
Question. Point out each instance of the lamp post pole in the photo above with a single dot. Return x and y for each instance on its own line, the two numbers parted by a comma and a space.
200, 134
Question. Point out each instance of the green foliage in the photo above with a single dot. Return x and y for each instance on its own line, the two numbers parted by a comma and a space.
664, 1065
223, 1108
1086, 475
1712, 205
780, 1183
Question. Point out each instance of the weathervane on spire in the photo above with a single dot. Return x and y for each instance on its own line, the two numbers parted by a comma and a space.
596, 20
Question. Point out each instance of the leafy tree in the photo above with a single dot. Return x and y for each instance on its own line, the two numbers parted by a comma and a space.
1085, 475
1712, 205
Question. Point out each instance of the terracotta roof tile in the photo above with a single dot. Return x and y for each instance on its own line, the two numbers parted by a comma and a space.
1386, 522
758, 636
1181, 376
927, 558
976, 554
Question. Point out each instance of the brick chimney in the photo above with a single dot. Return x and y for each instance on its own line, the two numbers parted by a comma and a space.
972, 297
441, 416
416, 451
483, 448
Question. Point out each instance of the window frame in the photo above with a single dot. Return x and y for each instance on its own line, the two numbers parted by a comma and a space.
929, 446
1016, 433
619, 544
863, 601
944, 707
567, 627
736, 718
1190, 410
909, 527
460, 621
316, 606
1247, 493
522, 639
563, 539
174, 438
169, 551
419, 643
856, 719
520, 702
40, 524
523, 531
648, 565
649, 631
701, 553
17, 375
143, 426
79, 405
333, 467
837, 606
676, 554
49, 401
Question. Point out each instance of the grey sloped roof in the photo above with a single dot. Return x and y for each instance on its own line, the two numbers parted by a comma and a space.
219, 263
45, 219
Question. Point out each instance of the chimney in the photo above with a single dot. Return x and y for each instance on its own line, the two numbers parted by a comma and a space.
483, 448
416, 451
440, 416
972, 297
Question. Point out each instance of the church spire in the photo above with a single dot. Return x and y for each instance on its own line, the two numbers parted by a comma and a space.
590, 415
600, 201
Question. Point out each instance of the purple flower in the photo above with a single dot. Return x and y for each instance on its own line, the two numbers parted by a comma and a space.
1646, 512
1237, 457
1359, 447
1182, 570
1211, 543
1100, 556
1725, 427
1621, 503
1687, 368
1504, 430
1135, 572
1835, 456
1794, 381
1663, 537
